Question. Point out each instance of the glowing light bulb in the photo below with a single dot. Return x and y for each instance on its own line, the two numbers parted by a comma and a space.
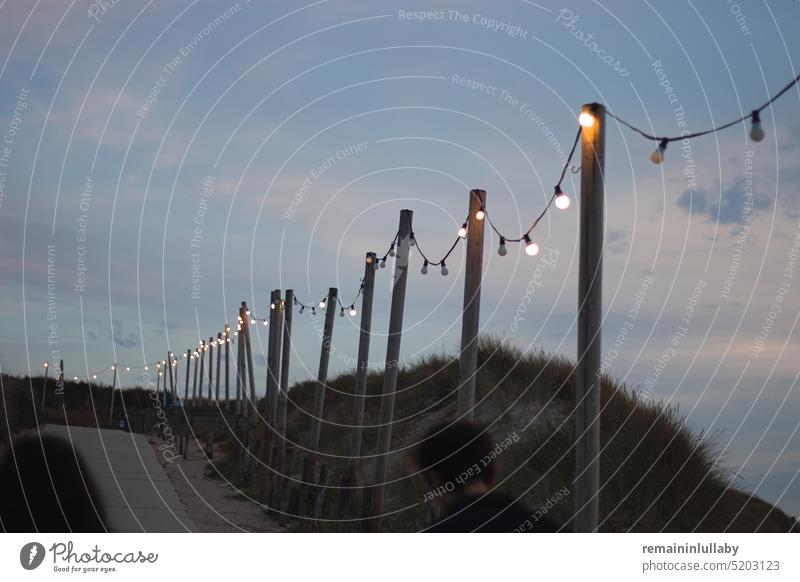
248, 312
353, 311
94, 376
530, 247
502, 251
265, 323
322, 304
46, 365
369, 260
113, 367
424, 270
75, 378
272, 306
462, 232
252, 322
481, 214
444, 270
146, 368
562, 200
586, 119
756, 131
658, 154
127, 369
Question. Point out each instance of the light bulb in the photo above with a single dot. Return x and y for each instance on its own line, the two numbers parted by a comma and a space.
322, 304
94, 376
658, 154
76, 378
46, 365
369, 262
146, 368
530, 247
412, 242
353, 311
341, 312
252, 322
502, 251
424, 269
462, 232
562, 200
302, 307
383, 263
756, 131
444, 270
272, 306
113, 367
391, 251
586, 119
313, 311
481, 214
265, 323
248, 312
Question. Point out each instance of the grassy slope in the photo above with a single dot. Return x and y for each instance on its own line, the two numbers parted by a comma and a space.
655, 473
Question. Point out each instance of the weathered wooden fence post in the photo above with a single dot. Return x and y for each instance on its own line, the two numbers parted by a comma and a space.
210, 367
273, 362
283, 480
590, 304
44, 384
195, 356
113, 388
227, 368
171, 368
203, 349
350, 478
253, 408
219, 359
240, 365
386, 413
186, 387
470, 319
310, 464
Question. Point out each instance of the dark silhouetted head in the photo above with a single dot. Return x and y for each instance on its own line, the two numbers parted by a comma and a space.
45, 488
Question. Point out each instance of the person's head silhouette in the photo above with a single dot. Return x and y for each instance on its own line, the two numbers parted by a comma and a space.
46, 488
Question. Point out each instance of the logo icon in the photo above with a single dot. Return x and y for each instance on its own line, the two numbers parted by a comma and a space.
31, 555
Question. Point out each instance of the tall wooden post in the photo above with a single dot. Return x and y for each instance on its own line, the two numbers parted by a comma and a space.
158, 381
273, 363
310, 465
240, 365
171, 368
349, 479
227, 368
195, 357
590, 272
202, 351
470, 319
386, 412
113, 390
210, 366
286, 356
219, 359
186, 387
60, 381
252, 410
44, 384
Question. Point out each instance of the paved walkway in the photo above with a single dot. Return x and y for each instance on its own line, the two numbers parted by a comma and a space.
136, 493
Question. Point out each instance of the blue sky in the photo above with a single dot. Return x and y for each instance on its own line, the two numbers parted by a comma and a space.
145, 102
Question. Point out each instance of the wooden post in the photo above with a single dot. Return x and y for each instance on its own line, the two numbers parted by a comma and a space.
386, 413
349, 479
470, 319
195, 357
219, 359
227, 368
171, 369
113, 388
587, 376
239, 364
286, 356
273, 362
60, 381
310, 465
44, 384
252, 410
202, 351
210, 367
176, 389
158, 381
186, 388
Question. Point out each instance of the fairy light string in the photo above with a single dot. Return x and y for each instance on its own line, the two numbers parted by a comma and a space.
559, 198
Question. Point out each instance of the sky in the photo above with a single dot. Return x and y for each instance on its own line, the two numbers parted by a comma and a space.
164, 161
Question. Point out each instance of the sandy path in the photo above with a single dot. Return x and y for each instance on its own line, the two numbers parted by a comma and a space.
213, 504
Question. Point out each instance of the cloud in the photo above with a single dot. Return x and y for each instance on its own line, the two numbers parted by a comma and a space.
727, 208
121, 339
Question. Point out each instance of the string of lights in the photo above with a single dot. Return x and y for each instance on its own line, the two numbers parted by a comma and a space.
559, 198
